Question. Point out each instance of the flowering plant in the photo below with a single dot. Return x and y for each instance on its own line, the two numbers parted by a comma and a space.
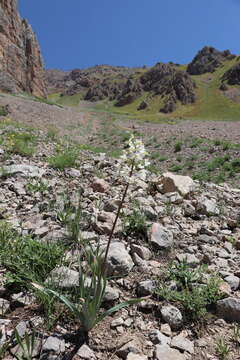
134, 157
91, 295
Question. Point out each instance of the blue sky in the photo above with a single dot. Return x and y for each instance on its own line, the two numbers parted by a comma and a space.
83, 33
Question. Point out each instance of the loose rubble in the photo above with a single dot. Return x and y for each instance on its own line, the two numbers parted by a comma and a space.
187, 221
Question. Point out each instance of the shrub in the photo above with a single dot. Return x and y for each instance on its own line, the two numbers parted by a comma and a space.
21, 143
135, 224
64, 160
195, 298
178, 147
27, 258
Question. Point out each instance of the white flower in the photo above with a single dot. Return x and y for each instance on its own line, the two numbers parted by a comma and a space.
132, 158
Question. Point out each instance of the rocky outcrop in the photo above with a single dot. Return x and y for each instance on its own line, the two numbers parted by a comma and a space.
132, 89
104, 89
21, 65
166, 80
232, 76
55, 80
208, 60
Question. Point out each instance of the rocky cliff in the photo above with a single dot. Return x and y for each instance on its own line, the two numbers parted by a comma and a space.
21, 65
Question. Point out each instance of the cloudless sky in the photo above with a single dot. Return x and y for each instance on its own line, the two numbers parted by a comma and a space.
83, 33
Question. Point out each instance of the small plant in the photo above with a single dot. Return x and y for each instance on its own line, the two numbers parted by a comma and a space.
65, 159
135, 224
89, 297
176, 167
26, 344
20, 143
74, 222
52, 133
183, 274
26, 258
73, 217
196, 142
236, 335
195, 298
178, 146
37, 186
3, 111
222, 349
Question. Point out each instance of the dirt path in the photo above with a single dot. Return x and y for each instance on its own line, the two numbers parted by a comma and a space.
79, 125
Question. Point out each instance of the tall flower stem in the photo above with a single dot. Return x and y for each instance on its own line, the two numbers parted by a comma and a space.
115, 221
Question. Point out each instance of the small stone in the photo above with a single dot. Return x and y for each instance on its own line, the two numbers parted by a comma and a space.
63, 277
73, 172
166, 330
225, 288
111, 294
181, 343
130, 347
132, 356
119, 262
21, 328
100, 185
22, 169
190, 259
164, 352
161, 238
233, 281
208, 207
4, 306
157, 337
54, 344
117, 322
86, 353
172, 316
105, 221
146, 287
141, 251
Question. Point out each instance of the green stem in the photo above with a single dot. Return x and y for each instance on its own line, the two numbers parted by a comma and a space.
115, 221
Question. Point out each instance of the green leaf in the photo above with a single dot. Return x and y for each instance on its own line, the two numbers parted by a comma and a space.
61, 297
118, 307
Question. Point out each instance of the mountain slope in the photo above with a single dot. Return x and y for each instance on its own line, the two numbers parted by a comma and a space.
207, 88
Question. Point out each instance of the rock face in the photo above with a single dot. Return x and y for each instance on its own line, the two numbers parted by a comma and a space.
232, 76
207, 60
21, 66
165, 80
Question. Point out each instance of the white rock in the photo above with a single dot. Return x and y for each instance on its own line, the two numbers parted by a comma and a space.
161, 238
63, 277
181, 343
119, 262
157, 337
86, 353
184, 185
164, 352
172, 316
23, 169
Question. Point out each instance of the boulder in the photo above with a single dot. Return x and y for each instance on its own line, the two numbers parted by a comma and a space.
169, 182
119, 262
229, 309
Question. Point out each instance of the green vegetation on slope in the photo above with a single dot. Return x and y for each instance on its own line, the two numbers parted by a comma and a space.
211, 103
